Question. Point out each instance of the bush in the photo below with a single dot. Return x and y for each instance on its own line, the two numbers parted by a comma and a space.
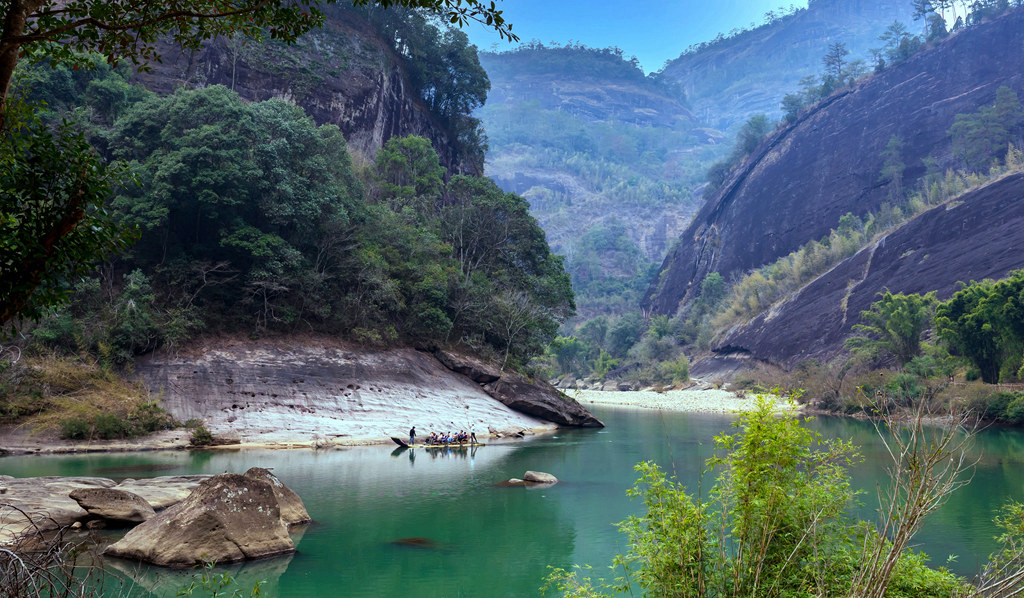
75, 428
150, 417
972, 374
201, 436
109, 426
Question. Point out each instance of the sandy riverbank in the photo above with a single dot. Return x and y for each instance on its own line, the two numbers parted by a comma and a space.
692, 400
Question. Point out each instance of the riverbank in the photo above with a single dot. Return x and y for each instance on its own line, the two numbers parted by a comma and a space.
694, 400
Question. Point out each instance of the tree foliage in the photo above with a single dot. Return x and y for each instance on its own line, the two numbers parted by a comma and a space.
775, 523
983, 136
892, 327
984, 322
69, 34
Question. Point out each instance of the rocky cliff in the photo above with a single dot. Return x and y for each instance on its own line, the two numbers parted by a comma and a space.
748, 74
312, 389
978, 237
805, 176
343, 74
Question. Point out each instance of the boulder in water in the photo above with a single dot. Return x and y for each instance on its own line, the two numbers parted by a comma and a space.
539, 477
228, 518
293, 511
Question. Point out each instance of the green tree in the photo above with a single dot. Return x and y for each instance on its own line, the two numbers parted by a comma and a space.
984, 322
893, 167
53, 217
983, 136
409, 175
834, 60
893, 326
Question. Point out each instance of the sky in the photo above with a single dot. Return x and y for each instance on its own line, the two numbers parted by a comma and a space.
652, 30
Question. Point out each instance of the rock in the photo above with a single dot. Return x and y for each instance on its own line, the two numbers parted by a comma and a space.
979, 237
228, 518
475, 369
35, 505
540, 400
116, 506
567, 382
610, 385
293, 511
539, 477
226, 438
624, 386
421, 543
164, 491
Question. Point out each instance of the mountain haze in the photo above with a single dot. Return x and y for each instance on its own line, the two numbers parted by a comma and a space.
731, 80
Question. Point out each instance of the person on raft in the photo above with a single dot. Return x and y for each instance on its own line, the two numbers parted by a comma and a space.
412, 435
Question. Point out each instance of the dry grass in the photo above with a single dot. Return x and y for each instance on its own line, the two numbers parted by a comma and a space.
43, 390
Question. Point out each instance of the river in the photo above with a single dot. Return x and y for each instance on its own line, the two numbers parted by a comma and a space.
492, 541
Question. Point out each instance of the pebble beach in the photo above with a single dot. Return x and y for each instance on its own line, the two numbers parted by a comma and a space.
694, 400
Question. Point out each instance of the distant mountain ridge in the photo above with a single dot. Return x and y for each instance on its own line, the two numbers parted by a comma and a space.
748, 74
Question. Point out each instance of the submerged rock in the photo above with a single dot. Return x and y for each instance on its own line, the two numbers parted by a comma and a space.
421, 543
114, 506
228, 518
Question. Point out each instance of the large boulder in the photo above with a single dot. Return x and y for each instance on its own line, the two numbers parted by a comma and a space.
293, 511
228, 518
540, 400
473, 368
115, 506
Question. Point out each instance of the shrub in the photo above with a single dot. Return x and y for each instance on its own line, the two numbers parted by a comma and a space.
201, 436
150, 417
109, 426
75, 428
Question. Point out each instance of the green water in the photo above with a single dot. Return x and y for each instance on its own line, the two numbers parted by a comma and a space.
493, 541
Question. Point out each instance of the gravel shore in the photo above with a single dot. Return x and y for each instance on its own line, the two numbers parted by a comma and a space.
693, 400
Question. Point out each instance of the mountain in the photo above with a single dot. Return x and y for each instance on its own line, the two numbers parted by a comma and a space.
979, 237
795, 187
728, 81
345, 73
606, 156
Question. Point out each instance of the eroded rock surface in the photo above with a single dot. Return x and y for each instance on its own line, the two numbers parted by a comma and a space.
317, 390
540, 400
978, 237
33, 505
115, 506
293, 511
228, 518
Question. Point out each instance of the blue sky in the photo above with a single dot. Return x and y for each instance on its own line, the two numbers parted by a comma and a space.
652, 30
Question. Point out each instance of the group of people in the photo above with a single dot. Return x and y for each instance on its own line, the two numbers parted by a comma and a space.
447, 438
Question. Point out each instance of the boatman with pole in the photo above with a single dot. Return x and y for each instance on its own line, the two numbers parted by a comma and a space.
412, 435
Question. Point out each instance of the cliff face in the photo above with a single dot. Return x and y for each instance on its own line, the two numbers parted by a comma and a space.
300, 389
343, 74
979, 237
803, 178
735, 79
